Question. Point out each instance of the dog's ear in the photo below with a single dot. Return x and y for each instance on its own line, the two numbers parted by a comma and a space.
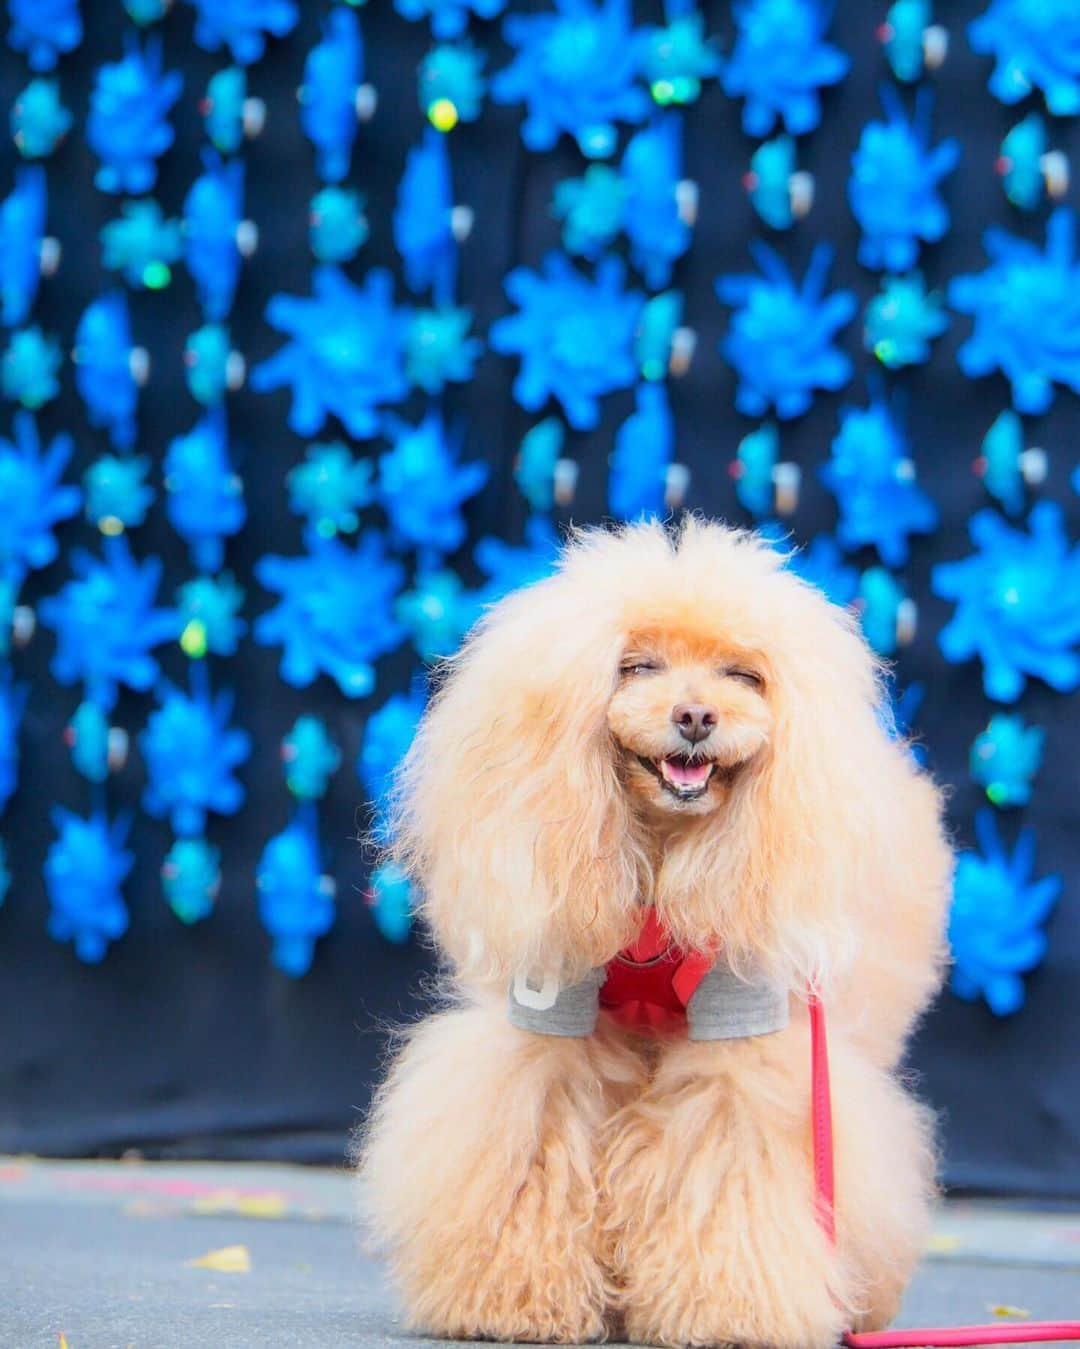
829, 816
510, 814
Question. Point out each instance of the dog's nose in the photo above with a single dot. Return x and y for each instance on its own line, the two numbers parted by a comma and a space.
694, 720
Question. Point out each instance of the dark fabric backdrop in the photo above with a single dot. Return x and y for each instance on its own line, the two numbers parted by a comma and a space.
186, 1042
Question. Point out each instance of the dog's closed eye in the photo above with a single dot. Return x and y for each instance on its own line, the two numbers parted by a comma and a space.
745, 675
635, 665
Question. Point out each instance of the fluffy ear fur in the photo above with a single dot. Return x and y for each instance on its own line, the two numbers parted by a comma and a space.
830, 816
510, 813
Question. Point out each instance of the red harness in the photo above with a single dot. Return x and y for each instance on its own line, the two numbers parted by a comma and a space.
647, 988
650, 982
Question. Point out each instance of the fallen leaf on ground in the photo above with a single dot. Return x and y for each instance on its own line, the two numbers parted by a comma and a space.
1003, 1309
941, 1242
226, 1260
268, 1204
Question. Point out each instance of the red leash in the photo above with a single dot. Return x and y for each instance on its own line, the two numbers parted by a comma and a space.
1031, 1332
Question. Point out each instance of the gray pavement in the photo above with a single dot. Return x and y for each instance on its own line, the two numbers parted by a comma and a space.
104, 1256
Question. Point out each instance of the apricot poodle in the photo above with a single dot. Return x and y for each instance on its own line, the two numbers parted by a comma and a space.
653, 804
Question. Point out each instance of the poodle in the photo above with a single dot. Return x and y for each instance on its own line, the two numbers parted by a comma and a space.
655, 803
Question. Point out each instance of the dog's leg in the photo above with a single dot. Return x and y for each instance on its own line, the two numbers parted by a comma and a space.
707, 1194
478, 1169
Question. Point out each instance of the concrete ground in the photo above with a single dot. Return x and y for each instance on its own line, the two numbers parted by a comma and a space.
129, 1255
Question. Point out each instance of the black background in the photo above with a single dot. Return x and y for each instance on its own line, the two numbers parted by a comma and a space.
186, 1042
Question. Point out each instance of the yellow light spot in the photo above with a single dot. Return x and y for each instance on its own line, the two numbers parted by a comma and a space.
1003, 1309
663, 91
193, 639
941, 1243
111, 525
442, 115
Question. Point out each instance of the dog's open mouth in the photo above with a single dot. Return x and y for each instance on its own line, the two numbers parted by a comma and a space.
684, 777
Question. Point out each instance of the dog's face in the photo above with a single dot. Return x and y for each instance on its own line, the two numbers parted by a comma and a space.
689, 713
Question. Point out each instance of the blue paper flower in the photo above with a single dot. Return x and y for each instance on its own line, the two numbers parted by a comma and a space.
1026, 310
44, 29
33, 496
652, 171
146, 12
330, 487
211, 365
117, 495
451, 85
675, 59
449, 18
778, 191
391, 900
242, 25
1005, 759
824, 566
12, 703
388, 733
92, 742
22, 227
213, 210
780, 339
644, 446
995, 927
296, 902
209, 610
225, 108
333, 72
142, 245
534, 469
422, 219
190, 752
440, 350
205, 497
337, 225
310, 757
345, 353
191, 878
436, 613
106, 624
574, 336
754, 470
883, 607
1035, 45
893, 188
657, 335
422, 487
128, 127
84, 870
336, 611
593, 209
1000, 464
1017, 603
1021, 162
575, 70
509, 566
903, 36
30, 366
780, 61
872, 477
902, 320
105, 368
39, 121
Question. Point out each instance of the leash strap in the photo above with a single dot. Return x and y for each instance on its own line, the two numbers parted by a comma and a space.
929, 1337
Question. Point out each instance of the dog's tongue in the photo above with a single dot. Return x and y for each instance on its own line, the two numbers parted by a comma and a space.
685, 774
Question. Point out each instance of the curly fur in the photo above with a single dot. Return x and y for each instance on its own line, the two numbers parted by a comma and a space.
557, 1190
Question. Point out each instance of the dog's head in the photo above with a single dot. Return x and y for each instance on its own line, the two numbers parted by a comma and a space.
670, 717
